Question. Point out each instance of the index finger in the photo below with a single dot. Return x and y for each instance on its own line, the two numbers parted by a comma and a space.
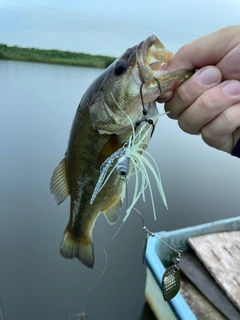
207, 50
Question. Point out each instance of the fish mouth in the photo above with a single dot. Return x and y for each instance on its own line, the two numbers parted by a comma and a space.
125, 95
151, 55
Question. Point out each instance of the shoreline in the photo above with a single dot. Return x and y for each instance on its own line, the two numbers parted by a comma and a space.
69, 58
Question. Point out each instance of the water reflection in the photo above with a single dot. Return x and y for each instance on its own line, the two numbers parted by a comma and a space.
38, 103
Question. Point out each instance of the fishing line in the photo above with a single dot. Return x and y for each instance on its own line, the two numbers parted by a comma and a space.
60, 15
96, 282
1, 315
104, 268
105, 253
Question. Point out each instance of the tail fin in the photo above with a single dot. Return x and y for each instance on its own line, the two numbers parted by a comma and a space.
80, 248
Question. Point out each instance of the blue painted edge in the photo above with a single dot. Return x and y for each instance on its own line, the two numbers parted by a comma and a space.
178, 303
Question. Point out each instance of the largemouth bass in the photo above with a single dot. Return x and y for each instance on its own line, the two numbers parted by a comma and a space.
124, 94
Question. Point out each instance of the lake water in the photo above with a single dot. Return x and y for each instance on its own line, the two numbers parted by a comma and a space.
37, 106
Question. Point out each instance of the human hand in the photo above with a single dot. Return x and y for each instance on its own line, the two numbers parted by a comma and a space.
209, 102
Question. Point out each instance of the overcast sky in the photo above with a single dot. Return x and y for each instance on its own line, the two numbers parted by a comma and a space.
110, 27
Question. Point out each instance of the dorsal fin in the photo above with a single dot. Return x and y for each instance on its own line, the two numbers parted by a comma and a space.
59, 184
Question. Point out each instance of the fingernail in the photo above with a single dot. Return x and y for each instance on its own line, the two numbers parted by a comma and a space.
208, 76
232, 87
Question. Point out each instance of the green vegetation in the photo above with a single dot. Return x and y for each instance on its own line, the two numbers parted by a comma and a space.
54, 56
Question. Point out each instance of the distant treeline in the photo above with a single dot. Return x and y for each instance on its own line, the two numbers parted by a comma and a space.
54, 56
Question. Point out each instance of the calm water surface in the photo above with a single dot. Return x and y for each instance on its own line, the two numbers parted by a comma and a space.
37, 106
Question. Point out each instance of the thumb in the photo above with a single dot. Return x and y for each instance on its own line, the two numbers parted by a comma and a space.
207, 50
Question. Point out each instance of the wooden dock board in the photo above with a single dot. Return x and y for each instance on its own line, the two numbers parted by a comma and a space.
201, 307
220, 253
195, 271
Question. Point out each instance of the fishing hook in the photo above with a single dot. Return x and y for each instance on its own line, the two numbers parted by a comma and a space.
144, 111
141, 95
159, 86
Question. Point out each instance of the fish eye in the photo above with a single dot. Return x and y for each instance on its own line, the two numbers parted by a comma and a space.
120, 68
123, 173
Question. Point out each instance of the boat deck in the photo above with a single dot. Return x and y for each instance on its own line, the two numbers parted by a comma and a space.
210, 286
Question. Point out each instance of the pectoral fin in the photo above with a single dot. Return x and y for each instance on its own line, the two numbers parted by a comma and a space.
59, 184
109, 148
112, 213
